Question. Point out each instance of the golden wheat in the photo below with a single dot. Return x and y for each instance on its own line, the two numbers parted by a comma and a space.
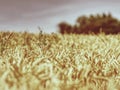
59, 62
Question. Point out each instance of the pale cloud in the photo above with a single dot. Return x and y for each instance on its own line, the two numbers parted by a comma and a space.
19, 14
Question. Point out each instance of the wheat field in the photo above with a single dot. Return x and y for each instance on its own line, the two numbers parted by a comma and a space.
59, 62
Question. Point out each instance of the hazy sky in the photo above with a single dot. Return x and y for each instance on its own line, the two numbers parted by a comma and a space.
21, 15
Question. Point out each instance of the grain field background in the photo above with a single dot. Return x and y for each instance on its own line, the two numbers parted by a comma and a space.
59, 62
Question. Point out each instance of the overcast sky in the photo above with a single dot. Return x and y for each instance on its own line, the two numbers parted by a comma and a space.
27, 15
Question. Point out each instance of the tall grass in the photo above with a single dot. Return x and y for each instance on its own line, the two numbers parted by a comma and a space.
59, 62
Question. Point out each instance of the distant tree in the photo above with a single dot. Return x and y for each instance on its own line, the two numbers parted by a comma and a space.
64, 27
94, 23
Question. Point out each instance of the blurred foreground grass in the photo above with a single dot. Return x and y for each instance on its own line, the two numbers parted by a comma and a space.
59, 62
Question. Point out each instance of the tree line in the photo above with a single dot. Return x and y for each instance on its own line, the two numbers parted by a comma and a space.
98, 23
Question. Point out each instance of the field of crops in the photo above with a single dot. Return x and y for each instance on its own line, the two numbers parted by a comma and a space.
59, 62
